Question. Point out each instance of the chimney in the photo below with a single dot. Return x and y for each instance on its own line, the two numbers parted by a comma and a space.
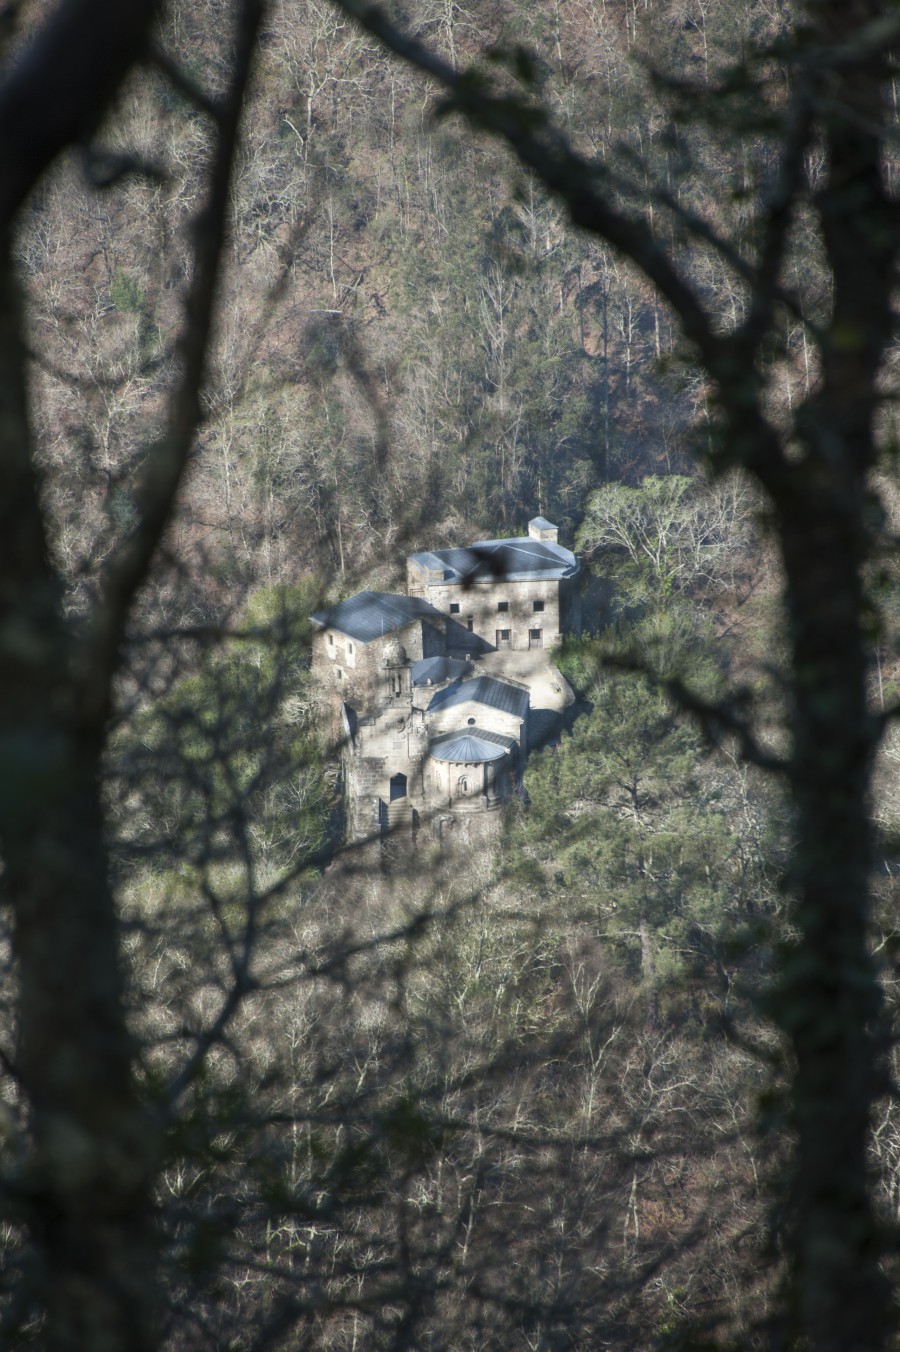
539, 528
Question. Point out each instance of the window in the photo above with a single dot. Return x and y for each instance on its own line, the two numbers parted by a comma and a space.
470, 623
537, 605
471, 722
349, 647
504, 638
454, 607
331, 649
503, 605
339, 674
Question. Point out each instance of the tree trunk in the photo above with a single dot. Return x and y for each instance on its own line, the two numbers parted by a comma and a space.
86, 1193
648, 974
828, 995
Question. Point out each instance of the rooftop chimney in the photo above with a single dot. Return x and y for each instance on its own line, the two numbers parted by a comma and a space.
539, 528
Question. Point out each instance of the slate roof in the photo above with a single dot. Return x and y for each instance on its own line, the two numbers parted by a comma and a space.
472, 746
370, 615
542, 523
434, 670
511, 699
520, 560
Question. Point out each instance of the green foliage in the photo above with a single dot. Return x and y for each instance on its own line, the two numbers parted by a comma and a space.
229, 762
670, 535
631, 813
281, 614
127, 294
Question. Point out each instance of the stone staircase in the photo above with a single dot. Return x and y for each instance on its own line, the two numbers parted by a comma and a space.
397, 816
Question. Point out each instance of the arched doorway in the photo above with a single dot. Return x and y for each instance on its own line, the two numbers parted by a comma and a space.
398, 787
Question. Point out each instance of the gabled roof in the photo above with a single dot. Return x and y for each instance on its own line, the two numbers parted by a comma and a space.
434, 670
542, 523
511, 699
370, 615
471, 746
519, 560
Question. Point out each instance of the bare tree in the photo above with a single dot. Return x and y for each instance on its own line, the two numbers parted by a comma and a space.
324, 1140
824, 136
325, 1253
84, 1188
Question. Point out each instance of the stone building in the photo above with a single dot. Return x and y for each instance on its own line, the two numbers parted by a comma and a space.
478, 742
458, 748
423, 734
348, 643
519, 593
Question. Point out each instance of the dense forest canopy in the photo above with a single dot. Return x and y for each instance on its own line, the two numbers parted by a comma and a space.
287, 291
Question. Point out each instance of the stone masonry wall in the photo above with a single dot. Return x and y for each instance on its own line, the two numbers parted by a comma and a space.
481, 603
492, 720
356, 669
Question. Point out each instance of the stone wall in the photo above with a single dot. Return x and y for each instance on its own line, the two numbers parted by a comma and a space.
386, 745
356, 670
468, 788
395, 742
570, 605
531, 618
484, 716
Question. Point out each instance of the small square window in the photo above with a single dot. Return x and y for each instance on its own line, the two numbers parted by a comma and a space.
503, 605
503, 635
454, 607
538, 605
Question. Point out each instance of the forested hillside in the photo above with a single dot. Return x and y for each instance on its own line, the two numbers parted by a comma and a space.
414, 345
275, 318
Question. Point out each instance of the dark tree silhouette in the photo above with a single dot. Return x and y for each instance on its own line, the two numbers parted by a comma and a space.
814, 470
84, 1190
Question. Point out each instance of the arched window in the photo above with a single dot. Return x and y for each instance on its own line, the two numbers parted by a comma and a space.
462, 786
398, 787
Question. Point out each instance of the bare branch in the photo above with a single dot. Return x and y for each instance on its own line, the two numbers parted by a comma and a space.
167, 461
57, 93
580, 183
543, 148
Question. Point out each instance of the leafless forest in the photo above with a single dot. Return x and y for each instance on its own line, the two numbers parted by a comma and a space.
283, 298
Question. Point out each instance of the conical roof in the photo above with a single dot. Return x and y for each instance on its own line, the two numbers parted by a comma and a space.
471, 746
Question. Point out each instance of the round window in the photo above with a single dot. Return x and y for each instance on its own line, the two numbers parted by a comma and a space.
471, 722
